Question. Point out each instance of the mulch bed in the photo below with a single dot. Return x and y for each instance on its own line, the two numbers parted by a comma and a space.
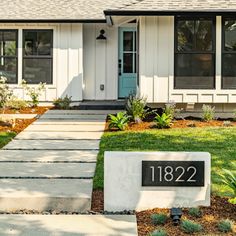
21, 124
220, 209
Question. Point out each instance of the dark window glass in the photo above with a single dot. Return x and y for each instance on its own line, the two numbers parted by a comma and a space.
8, 55
128, 41
194, 54
128, 62
229, 54
38, 56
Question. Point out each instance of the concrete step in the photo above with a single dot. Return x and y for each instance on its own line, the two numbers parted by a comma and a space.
47, 156
46, 194
74, 117
82, 112
68, 225
59, 135
52, 145
64, 128
47, 170
68, 122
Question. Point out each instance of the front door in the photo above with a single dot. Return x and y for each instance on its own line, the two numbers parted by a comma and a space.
127, 61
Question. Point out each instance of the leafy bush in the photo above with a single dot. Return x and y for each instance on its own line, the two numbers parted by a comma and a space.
5, 92
170, 109
158, 232
159, 219
62, 103
118, 121
16, 103
225, 226
34, 92
229, 178
195, 212
135, 107
163, 121
208, 113
190, 227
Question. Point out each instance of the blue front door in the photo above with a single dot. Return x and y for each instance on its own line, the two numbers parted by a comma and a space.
127, 61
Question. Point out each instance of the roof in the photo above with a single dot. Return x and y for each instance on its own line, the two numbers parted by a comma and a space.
93, 10
147, 7
58, 10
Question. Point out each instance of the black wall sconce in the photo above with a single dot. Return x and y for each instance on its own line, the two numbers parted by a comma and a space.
101, 36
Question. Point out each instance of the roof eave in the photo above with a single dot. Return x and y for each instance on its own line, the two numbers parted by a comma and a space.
52, 20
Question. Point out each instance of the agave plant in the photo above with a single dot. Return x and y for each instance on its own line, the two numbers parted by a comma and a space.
163, 121
119, 121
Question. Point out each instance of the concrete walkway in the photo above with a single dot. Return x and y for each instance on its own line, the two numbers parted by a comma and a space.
51, 164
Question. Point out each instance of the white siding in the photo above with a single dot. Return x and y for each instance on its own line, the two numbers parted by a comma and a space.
157, 65
67, 60
100, 62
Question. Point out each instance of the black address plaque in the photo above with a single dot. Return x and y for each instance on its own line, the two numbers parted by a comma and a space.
173, 173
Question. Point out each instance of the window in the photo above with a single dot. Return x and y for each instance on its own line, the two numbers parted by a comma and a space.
8, 55
229, 53
37, 56
194, 53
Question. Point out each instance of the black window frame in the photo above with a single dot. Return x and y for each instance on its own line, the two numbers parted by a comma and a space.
212, 52
37, 56
223, 52
16, 55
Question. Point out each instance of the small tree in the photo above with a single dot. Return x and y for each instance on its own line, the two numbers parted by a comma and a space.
5, 92
34, 92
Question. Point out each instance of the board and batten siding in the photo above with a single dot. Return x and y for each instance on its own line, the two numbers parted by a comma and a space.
100, 62
67, 60
157, 65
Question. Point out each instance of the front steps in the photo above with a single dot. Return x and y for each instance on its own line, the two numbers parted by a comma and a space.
51, 165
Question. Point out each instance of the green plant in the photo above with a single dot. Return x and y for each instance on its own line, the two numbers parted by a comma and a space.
195, 212
170, 109
163, 121
225, 226
227, 123
190, 227
135, 107
5, 92
16, 103
229, 179
62, 103
158, 232
118, 121
34, 92
208, 113
159, 219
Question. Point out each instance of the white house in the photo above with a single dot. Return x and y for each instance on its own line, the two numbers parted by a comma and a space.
178, 50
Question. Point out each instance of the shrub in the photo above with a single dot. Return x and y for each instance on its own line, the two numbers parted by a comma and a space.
225, 226
5, 92
158, 232
163, 121
208, 113
34, 92
159, 219
195, 212
229, 178
62, 103
135, 107
170, 109
16, 103
118, 121
190, 227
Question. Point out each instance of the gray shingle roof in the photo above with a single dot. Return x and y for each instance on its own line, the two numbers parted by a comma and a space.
83, 10
58, 9
181, 5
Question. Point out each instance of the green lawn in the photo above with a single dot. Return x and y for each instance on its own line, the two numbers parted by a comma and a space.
6, 137
220, 142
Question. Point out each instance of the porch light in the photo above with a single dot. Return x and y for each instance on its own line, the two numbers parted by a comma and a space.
101, 36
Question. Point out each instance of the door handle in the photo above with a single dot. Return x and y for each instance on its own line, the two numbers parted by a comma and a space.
119, 67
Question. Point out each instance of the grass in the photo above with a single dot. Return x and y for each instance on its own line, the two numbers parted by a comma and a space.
6, 137
220, 142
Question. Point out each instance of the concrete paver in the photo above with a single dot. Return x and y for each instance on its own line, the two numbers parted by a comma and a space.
68, 225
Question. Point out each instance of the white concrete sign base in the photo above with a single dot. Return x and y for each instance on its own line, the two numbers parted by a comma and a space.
123, 182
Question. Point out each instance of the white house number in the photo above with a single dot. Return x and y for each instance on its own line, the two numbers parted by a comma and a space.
169, 174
